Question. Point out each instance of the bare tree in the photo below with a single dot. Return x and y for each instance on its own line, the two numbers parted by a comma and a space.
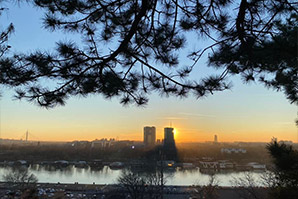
268, 179
138, 186
20, 177
247, 187
208, 191
155, 183
133, 183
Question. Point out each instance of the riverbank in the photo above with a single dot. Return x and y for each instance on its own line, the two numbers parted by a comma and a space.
100, 191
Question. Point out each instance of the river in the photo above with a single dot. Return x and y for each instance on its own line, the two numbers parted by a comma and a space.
105, 175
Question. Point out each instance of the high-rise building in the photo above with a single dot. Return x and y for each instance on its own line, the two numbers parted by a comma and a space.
169, 135
149, 135
169, 146
215, 138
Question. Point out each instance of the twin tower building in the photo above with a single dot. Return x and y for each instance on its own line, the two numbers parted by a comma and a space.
150, 136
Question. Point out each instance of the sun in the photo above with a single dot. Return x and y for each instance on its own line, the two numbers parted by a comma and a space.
175, 131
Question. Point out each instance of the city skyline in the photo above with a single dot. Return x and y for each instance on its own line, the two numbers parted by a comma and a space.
161, 136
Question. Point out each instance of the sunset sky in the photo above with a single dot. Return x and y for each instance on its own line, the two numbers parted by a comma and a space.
247, 112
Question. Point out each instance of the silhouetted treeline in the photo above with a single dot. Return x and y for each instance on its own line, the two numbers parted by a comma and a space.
253, 151
67, 152
187, 152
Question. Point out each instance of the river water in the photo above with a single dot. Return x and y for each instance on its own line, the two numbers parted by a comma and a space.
106, 175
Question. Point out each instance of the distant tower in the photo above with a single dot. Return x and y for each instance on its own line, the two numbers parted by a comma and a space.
27, 133
149, 135
215, 139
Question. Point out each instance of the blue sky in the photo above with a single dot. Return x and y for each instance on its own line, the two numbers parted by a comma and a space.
244, 113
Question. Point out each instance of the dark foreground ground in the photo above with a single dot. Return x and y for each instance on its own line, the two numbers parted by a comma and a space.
46, 190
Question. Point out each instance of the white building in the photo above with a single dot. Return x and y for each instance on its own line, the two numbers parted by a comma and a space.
104, 142
225, 164
255, 165
233, 150
208, 165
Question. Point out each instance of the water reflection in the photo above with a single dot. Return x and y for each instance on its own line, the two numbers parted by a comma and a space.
105, 175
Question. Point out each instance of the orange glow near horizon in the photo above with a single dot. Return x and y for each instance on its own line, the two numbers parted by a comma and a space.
185, 130
180, 134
